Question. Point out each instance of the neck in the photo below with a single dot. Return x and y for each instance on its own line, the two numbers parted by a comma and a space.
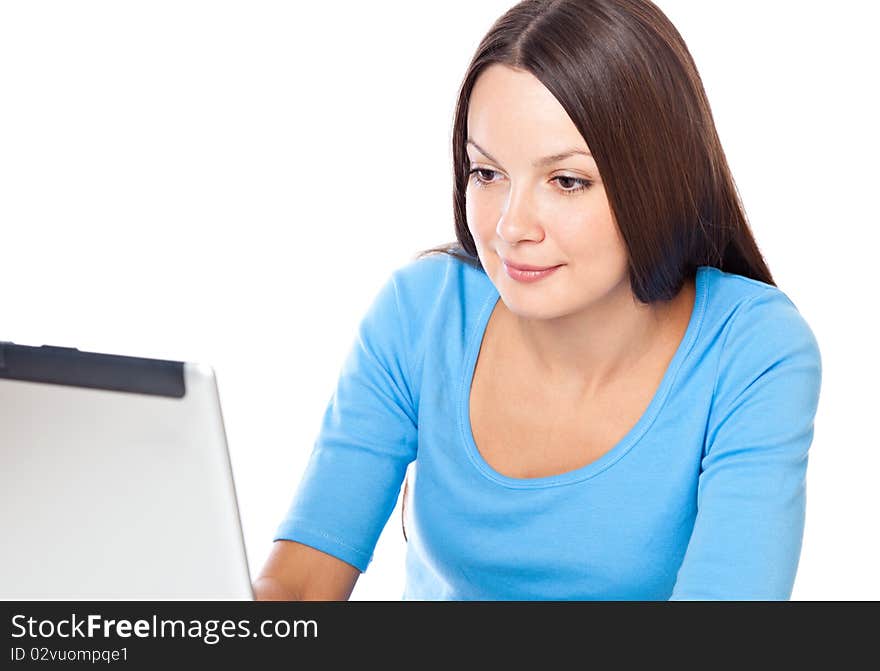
584, 352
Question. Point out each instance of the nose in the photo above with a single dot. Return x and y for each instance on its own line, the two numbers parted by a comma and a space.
518, 220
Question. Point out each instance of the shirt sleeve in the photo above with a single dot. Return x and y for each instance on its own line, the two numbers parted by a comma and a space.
367, 438
751, 499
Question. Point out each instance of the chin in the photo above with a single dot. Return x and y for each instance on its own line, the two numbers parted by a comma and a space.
535, 308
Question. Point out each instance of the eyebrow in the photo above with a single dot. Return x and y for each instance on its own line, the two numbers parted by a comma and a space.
541, 162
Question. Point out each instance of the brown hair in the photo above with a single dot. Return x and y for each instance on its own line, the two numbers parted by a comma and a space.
625, 77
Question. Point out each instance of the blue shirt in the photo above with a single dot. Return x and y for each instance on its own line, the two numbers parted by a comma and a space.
704, 498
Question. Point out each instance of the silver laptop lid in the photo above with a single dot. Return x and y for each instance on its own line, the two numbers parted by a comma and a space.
115, 480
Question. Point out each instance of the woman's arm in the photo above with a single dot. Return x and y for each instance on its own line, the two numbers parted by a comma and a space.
298, 572
351, 483
751, 498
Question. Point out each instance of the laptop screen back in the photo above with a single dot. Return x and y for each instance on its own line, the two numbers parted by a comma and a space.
115, 480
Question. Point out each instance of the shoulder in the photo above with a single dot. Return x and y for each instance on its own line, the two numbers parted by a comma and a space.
760, 332
755, 313
438, 282
423, 273
426, 305
435, 269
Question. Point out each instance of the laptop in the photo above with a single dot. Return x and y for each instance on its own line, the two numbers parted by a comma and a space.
115, 480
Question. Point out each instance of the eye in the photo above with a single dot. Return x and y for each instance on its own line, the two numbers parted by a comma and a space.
479, 179
580, 184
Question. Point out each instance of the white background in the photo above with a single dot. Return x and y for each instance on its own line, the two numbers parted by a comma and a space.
231, 183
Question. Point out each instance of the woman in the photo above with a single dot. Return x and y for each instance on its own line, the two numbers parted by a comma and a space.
598, 392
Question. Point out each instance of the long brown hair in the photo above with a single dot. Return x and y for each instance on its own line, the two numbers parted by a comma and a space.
624, 75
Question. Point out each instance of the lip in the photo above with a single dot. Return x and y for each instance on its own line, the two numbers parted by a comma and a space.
523, 267
519, 275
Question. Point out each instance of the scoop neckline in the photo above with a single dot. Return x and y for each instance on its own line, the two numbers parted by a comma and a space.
615, 453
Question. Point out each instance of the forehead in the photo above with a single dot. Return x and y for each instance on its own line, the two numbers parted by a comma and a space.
510, 106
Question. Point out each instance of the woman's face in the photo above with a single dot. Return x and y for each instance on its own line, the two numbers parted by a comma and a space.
537, 214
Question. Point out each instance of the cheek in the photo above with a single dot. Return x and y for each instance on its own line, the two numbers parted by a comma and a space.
587, 225
481, 214
577, 228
